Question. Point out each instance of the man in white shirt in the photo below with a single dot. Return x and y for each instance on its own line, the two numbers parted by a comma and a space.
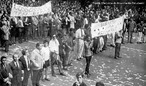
80, 34
54, 54
20, 28
46, 56
72, 21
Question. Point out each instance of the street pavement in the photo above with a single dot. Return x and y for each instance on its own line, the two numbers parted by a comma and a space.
130, 70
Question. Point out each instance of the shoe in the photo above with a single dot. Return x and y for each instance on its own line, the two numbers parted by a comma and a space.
43, 80
115, 57
65, 68
119, 57
70, 64
54, 75
47, 79
62, 74
88, 75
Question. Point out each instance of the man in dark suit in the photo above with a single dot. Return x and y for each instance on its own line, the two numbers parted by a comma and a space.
5, 72
17, 72
25, 60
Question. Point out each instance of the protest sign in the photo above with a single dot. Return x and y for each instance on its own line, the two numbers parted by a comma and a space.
19, 10
107, 27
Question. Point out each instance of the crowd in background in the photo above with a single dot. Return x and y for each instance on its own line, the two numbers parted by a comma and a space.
70, 24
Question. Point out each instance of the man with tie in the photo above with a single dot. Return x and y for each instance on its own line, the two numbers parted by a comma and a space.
25, 60
5, 72
17, 72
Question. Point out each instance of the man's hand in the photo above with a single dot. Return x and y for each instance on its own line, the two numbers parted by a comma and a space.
7, 79
22, 78
10, 75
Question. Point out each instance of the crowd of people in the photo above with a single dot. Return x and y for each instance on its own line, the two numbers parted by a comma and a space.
68, 28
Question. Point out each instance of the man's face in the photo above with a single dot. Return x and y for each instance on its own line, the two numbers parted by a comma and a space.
4, 60
46, 44
16, 57
27, 52
39, 47
80, 79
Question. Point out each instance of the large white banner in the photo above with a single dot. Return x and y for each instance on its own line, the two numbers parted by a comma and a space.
107, 27
19, 10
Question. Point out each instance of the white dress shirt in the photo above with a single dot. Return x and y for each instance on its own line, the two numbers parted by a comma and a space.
54, 46
46, 53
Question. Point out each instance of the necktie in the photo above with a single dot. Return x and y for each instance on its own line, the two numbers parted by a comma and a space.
17, 65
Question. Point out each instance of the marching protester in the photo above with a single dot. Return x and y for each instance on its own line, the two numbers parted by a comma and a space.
20, 27
79, 82
140, 32
88, 54
5, 72
5, 34
80, 34
131, 26
125, 26
54, 54
25, 60
12, 31
17, 72
118, 41
46, 55
37, 65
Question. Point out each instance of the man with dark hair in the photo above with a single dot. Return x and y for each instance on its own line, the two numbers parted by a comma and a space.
25, 60
5, 34
46, 56
88, 54
54, 55
20, 28
99, 84
37, 65
5, 72
79, 81
131, 27
118, 41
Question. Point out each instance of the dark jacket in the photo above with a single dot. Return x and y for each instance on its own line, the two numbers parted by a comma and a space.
23, 61
16, 72
4, 73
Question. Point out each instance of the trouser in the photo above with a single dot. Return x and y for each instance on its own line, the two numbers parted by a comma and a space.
130, 34
117, 49
105, 42
6, 45
88, 60
80, 48
144, 38
95, 45
123, 34
17, 84
101, 43
34, 31
36, 76
26, 33
26, 77
53, 62
20, 34
139, 38
13, 39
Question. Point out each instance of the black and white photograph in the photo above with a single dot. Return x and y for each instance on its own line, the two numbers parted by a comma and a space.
72, 43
